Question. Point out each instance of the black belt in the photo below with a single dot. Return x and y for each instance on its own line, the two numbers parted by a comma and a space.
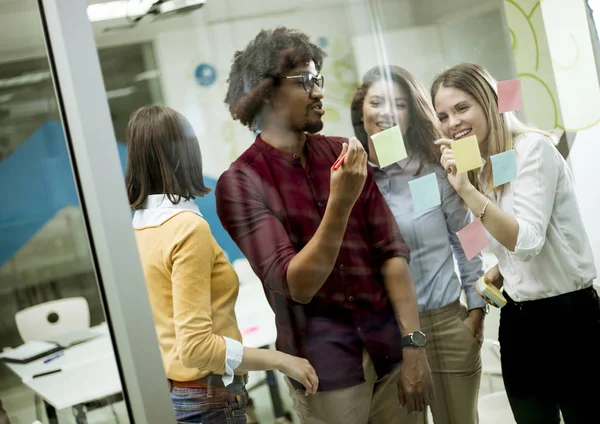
574, 298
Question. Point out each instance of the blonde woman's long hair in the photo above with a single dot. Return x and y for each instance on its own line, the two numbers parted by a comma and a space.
503, 128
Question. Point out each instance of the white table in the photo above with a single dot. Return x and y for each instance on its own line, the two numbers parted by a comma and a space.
89, 370
255, 317
256, 322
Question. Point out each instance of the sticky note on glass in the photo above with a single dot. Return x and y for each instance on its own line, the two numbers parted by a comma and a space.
466, 154
504, 167
491, 293
389, 146
425, 192
473, 239
509, 96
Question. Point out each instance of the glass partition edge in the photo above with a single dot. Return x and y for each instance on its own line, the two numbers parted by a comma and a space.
93, 150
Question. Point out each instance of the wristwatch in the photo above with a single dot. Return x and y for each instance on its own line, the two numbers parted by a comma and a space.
415, 339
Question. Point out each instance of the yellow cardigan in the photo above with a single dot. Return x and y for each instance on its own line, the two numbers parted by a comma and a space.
193, 290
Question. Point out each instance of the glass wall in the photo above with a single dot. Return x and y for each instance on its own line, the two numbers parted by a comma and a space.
183, 61
512, 39
58, 356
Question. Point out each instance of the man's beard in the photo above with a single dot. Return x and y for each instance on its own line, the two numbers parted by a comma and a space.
313, 127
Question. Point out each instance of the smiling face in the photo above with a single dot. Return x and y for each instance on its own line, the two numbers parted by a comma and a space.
460, 115
301, 110
383, 108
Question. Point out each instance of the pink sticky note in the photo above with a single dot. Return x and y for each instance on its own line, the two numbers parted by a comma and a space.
509, 95
473, 239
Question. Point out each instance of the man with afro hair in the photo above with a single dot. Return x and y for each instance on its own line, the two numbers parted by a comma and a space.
322, 241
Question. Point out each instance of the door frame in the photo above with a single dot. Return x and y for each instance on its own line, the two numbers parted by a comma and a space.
92, 146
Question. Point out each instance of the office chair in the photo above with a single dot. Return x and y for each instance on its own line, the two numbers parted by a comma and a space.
53, 318
45, 320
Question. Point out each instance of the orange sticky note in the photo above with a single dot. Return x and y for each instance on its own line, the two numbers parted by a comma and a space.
473, 239
466, 154
509, 96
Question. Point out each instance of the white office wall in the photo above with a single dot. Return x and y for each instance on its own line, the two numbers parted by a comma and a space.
417, 49
573, 62
583, 161
427, 11
440, 37
216, 37
482, 38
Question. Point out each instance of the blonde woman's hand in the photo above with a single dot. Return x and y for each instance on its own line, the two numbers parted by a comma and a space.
493, 277
302, 371
460, 182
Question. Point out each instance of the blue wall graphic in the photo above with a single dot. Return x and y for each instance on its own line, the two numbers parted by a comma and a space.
36, 182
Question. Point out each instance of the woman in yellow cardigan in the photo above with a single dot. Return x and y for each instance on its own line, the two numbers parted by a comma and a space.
192, 286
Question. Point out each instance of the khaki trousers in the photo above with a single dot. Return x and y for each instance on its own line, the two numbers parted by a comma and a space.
374, 402
454, 358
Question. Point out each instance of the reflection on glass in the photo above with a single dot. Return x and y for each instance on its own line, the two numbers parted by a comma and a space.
50, 305
429, 213
545, 262
193, 55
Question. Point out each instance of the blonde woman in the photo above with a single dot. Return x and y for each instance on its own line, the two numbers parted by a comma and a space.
191, 285
550, 329
391, 96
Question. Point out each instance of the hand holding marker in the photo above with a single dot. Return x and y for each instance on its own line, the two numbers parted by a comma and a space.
339, 162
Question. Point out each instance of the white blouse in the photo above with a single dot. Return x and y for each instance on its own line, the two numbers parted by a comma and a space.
553, 255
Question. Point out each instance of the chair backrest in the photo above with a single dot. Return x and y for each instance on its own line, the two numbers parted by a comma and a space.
53, 318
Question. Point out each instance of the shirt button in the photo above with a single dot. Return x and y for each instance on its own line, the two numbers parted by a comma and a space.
341, 267
295, 156
351, 298
320, 204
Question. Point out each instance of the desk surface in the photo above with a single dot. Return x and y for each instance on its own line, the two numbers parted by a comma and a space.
255, 317
89, 370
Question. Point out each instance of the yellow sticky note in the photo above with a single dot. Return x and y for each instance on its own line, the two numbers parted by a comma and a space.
389, 146
466, 154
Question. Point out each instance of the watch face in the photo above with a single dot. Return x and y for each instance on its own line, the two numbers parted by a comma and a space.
419, 339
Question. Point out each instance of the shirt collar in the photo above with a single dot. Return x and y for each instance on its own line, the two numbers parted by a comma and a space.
280, 153
158, 209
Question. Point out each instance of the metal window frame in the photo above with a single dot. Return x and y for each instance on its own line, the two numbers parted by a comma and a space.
92, 146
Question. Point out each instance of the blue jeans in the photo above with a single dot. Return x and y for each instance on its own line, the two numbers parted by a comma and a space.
226, 406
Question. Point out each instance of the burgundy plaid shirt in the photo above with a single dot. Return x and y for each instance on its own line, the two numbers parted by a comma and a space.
272, 206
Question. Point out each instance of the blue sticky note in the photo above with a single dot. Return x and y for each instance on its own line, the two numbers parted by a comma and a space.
425, 192
504, 167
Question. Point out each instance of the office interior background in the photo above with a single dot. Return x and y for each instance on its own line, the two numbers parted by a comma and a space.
183, 62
